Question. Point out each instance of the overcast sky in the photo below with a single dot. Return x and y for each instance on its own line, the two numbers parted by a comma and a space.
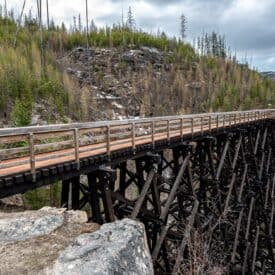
249, 25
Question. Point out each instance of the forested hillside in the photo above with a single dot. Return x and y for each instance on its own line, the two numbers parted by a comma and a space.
51, 74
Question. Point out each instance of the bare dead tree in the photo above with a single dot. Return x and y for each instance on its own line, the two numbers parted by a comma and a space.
87, 24
5, 9
39, 13
19, 24
48, 16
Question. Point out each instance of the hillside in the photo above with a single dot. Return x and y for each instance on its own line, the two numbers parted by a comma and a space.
124, 73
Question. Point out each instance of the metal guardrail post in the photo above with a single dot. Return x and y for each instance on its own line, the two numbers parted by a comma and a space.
32, 156
76, 147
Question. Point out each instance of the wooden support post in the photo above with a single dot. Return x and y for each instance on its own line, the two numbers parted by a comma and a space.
32, 156
236, 241
249, 218
75, 192
107, 178
186, 237
143, 194
222, 160
175, 187
255, 250
243, 182
65, 193
237, 153
94, 198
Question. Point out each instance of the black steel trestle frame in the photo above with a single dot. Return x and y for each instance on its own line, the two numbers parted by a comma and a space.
220, 186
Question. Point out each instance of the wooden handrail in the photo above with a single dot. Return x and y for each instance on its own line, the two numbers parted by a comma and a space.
109, 135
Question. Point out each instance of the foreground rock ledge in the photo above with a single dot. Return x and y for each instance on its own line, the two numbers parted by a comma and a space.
56, 241
117, 248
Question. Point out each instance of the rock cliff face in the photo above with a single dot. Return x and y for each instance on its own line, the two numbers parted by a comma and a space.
56, 241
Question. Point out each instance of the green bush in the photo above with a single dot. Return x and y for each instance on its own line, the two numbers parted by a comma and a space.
21, 114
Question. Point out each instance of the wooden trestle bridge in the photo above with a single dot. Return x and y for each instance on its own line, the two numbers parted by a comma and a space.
213, 174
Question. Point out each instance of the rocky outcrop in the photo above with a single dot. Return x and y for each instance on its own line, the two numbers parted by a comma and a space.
117, 248
57, 242
112, 77
31, 241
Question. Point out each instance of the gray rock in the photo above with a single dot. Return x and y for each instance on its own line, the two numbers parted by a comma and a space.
117, 248
28, 225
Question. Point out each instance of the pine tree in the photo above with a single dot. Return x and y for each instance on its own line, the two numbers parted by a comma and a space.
93, 27
183, 27
79, 23
74, 27
130, 20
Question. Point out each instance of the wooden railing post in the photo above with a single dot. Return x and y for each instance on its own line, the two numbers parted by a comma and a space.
201, 125
210, 123
76, 147
192, 126
108, 140
153, 134
168, 131
134, 136
32, 156
181, 129
217, 122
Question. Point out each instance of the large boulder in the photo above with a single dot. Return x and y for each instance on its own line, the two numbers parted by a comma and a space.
31, 241
117, 248
57, 242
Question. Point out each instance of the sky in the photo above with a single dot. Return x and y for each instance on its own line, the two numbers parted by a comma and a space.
249, 25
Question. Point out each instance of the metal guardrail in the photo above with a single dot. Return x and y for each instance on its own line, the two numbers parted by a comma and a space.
29, 146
